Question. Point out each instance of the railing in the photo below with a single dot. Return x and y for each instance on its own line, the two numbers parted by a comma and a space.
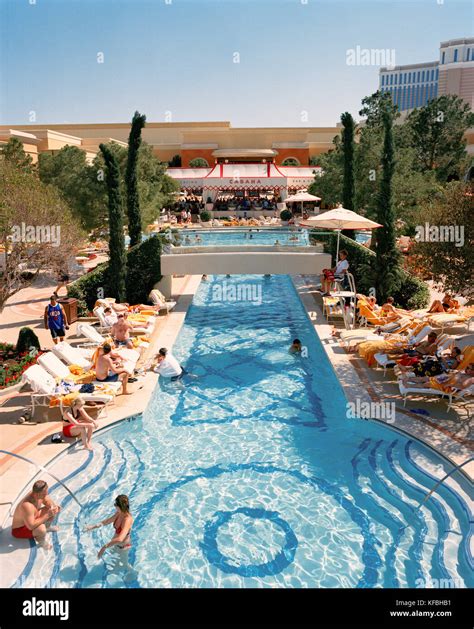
458, 467
43, 469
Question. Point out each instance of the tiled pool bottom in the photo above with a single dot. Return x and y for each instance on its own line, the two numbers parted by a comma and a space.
252, 476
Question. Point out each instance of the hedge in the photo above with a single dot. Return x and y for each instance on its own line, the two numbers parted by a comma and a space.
413, 292
144, 271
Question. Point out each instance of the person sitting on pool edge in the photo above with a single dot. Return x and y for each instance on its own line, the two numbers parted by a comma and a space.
296, 347
78, 423
33, 515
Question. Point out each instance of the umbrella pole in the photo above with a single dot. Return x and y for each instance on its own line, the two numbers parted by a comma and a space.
337, 248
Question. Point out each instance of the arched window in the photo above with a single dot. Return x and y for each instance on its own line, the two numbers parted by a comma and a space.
290, 161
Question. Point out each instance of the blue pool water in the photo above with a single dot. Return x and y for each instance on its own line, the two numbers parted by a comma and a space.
252, 476
243, 236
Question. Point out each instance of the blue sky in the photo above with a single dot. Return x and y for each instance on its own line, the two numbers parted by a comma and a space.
178, 56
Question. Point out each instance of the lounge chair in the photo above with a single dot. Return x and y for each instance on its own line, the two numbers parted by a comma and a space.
53, 365
91, 333
368, 349
44, 389
456, 396
158, 299
73, 355
386, 361
350, 337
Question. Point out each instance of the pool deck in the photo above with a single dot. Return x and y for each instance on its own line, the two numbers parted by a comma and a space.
32, 440
448, 434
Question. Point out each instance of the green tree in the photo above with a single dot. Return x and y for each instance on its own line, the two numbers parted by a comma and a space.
15, 154
448, 259
80, 184
117, 254
37, 230
436, 133
387, 261
198, 162
329, 183
131, 180
348, 184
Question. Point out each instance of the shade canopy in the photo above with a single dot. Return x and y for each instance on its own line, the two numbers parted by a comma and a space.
338, 219
302, 197
341, 218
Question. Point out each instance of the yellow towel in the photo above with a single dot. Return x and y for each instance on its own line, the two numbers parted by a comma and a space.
67, 400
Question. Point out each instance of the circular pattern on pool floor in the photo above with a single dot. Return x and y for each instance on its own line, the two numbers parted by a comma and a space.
281, 560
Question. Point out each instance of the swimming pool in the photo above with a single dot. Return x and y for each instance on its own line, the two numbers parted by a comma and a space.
243, 236
251, 476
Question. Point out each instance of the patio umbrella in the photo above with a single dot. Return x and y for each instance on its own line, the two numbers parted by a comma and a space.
301, 197
340, 218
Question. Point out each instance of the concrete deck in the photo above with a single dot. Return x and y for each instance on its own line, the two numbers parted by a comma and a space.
450, 434
244, 262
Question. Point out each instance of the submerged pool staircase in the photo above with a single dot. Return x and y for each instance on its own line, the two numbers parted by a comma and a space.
43, 469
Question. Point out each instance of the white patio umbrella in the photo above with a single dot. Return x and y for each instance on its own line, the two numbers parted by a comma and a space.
301, 197
340, 218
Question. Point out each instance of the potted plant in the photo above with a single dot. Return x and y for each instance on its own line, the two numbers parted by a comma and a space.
285, 217
205, 217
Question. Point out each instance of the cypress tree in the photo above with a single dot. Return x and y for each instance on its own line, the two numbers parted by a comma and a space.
387, 262
131, 180
117, 254
348, 186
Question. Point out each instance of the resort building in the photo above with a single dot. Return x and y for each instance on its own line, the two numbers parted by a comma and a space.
414, 85
213, 142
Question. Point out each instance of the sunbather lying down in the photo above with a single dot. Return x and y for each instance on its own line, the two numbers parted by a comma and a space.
444, 382
122, 308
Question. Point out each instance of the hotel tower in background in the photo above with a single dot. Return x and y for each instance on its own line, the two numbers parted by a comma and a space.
414, 85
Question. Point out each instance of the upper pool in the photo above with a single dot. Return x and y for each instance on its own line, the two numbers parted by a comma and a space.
252, 475
243, 236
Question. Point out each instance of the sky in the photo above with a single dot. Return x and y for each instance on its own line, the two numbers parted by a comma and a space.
254, 63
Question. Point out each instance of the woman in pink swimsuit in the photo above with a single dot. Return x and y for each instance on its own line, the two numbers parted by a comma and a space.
122, 522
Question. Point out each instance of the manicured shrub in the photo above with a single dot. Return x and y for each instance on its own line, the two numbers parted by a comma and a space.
286, 215
90, 287
413, 292
144, 269
26, 340
205, 216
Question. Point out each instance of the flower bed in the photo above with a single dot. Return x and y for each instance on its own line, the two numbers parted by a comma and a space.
13, 364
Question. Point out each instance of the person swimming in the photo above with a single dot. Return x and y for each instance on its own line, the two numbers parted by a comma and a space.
296, 347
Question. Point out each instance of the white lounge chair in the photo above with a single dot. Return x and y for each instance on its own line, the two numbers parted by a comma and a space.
456, 396
385, 361
44, 387
103, 325
53, 365
79, 356
158, 299
91, 333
